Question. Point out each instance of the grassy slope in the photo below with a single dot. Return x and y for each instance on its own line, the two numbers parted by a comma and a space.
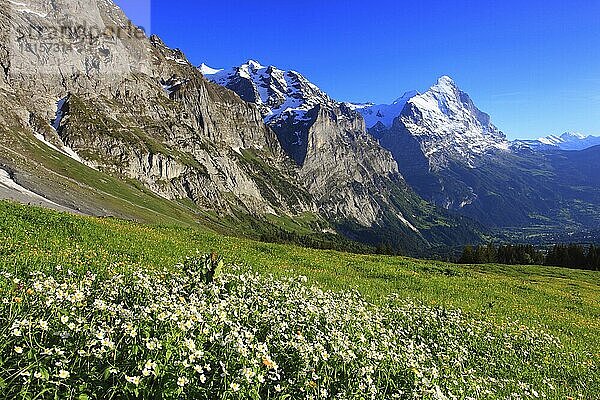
565, 302
60, 178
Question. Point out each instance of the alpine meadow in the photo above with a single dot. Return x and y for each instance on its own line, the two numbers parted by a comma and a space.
177, 223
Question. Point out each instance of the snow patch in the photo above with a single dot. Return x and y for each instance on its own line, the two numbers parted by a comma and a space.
206, 70
66, 150
238, 150
384, 113
9, 183
42, 139
407, 223
180, 61
22, 8
171, 87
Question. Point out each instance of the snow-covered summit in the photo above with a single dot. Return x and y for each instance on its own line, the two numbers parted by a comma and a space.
566, 141
384, 113
206, 70
448, 125
279, 94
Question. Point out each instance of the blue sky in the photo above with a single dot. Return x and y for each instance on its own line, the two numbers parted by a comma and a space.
533, 65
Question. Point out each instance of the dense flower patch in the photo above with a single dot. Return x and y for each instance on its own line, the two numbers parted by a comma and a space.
203, 334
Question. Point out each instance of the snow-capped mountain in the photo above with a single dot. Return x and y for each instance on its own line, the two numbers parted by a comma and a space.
289, 103
451, 154
278, 94
448, 126
435, 132
566, 141
345, 167
382, 113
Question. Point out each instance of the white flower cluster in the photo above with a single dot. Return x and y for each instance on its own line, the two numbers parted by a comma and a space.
246, 336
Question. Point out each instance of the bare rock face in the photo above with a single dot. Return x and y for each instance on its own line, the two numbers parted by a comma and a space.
67, 46
354, 180
343, 163
130, 106
79, 78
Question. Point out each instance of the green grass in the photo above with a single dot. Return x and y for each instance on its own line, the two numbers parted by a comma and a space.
565, 303
60, 177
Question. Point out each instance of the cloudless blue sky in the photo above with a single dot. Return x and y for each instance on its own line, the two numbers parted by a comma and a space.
533, 65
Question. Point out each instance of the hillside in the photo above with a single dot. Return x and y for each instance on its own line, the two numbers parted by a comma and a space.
107, 128
452, 155
563, 303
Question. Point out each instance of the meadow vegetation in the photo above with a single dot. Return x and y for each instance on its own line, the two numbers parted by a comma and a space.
104, 308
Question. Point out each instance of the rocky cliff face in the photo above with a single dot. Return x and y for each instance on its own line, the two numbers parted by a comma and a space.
116, 101
342, 165
129, 105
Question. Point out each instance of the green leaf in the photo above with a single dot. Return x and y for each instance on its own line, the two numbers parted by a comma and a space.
83, 397
218, 269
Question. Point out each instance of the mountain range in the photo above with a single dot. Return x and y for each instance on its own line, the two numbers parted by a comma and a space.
452, 155
126, 126
566, 141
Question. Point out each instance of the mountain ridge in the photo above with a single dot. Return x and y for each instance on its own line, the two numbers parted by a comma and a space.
344, 166
566, 141
139, 112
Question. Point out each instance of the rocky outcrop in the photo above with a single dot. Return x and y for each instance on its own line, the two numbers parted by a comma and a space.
343, 165
130, 106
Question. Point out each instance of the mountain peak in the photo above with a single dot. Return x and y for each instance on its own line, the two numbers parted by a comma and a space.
445, 86
446, 81
254, 64
574, 135
383, 114
448, 125
279, 94
206, 70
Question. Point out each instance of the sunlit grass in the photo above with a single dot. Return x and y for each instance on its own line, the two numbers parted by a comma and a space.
563, 303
